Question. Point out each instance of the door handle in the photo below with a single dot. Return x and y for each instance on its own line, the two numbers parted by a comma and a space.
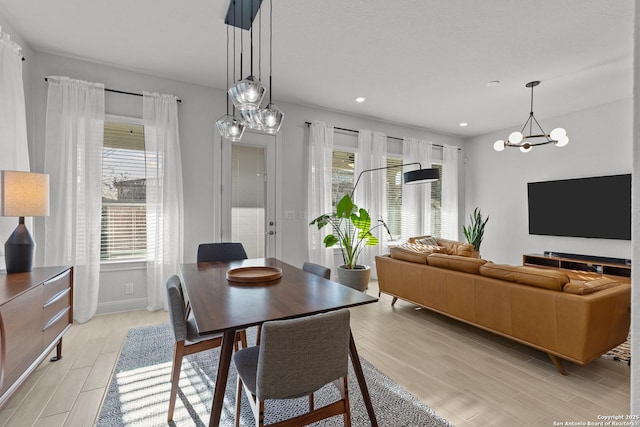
270, 233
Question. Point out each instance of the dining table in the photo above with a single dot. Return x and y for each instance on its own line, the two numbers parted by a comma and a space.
226, 306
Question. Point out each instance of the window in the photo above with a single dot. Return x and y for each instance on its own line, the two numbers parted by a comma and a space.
123, 233
343, 178
436, 203
394, 197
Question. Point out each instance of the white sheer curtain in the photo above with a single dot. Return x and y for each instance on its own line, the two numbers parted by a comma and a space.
450, 193
164, 194
13, 124
319, 189
73, 159
416, 199
371, 192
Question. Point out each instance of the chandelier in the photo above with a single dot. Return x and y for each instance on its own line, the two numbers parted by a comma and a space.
247, 94
525, 142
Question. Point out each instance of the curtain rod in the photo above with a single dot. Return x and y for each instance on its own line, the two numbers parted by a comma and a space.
388, 137
46, 79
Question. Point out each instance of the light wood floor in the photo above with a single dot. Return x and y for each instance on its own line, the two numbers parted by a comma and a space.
470, 377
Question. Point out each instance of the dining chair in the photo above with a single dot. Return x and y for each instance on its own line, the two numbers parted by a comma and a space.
317, 269
187, 338
223, 251
295, 358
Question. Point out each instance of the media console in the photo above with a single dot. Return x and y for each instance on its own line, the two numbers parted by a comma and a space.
582, 267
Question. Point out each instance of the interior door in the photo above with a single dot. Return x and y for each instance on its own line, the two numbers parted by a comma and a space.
249, 195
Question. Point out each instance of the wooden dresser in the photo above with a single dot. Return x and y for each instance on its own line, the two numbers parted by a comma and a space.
36, 309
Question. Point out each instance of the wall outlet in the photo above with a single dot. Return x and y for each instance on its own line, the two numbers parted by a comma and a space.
128, 288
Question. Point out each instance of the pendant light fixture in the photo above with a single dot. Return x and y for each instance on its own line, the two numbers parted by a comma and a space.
525, 142
247, 94
271, 116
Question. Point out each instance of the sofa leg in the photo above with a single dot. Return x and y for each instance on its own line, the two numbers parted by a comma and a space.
393, 301
556, 361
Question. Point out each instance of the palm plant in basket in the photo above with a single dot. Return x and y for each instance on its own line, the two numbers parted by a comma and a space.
351, 230
475, 231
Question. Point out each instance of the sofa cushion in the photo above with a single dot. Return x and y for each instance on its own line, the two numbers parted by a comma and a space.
548, 279
583, 288
413, 252
453, 247
456, 262
430, 240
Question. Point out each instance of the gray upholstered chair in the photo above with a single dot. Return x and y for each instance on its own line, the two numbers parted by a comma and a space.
188, 339
317, 269
223, 251
295, 358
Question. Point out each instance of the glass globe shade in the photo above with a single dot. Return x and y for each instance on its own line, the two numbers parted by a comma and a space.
562, 141
515, 137
271, 118
499, 145
557, 133
230, 127
251, 119
247, 94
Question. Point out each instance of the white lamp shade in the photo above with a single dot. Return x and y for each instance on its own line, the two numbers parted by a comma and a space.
557, 133
24, 194
525, 149
499, 145
515, 137
562, 141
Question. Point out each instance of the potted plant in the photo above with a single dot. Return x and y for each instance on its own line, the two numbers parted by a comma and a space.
475, 231
352, 231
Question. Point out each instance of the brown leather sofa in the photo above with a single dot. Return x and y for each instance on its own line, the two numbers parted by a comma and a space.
541, 308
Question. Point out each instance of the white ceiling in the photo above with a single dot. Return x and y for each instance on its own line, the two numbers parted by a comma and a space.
423, 63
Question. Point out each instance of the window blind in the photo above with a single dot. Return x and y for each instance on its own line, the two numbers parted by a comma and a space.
124, 218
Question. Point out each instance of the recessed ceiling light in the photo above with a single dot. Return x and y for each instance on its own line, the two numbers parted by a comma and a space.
360, 99
493, 83
464, 124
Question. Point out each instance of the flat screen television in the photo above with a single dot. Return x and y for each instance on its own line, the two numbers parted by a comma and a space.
596, 207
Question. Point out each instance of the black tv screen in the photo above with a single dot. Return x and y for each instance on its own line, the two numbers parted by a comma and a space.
598, 207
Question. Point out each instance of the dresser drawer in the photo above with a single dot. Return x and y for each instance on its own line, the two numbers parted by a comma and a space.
53, 286
55, 305
56, 325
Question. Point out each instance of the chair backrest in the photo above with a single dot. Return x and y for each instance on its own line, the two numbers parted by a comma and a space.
177, 312
317, 269
299, 356
225, 251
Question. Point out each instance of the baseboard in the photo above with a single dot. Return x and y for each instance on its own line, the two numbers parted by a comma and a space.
124, 305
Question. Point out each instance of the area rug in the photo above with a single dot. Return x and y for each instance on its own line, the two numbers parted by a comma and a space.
139, 391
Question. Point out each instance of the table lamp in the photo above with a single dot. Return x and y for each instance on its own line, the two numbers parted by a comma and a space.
22, 194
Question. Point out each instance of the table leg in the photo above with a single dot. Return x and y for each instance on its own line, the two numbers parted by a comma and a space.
357, 368
221, 379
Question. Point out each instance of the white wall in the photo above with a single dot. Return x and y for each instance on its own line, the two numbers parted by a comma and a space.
600, 143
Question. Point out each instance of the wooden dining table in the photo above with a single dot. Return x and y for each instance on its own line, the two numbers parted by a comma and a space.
220, 305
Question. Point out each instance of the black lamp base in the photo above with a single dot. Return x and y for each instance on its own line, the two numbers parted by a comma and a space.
19, 250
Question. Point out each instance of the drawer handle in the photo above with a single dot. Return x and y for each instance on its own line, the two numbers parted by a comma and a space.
57, 278
55, 318
56, 297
